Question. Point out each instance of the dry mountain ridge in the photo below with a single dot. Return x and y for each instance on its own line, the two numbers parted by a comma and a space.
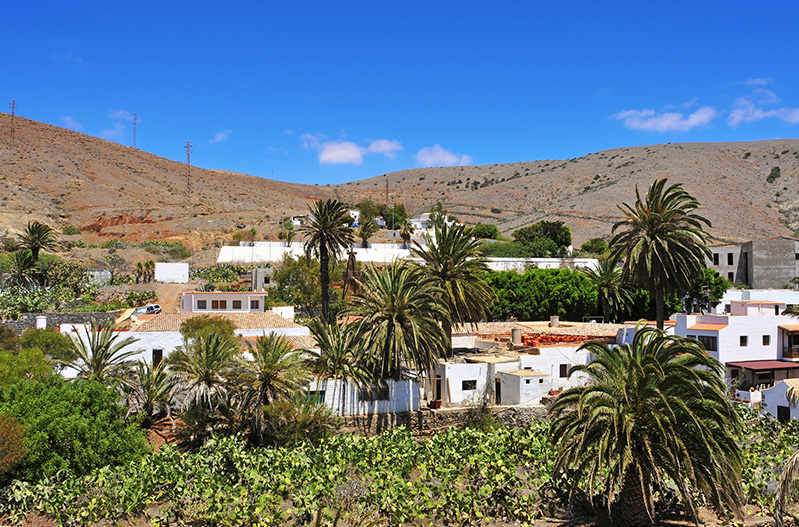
109, 190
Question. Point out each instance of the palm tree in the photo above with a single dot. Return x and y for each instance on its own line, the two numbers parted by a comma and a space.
152, 388
22, 269
792, 311
328, 231
100, 354
201, 368
366, 230
38, 236
400, 306
613, 293
452, 259
406, 231
663, 243
653, 410
340, 357
275, 372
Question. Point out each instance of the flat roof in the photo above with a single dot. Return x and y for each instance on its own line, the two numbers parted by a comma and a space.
260, 293
489, 359
524, 373
763, 365
756, 302
707, 327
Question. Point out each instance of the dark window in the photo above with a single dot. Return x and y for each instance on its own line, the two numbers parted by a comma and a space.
731, 277
255, 304
766, 340
715, 258
796, 256
710, 343
744, 341
218, 304
316, 396
469, 385
776, 310
236, 304
564, 370
527, 381
374, 392
158, 356
729, 259
202, 304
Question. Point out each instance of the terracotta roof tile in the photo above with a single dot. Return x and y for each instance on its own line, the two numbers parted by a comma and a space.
172, 321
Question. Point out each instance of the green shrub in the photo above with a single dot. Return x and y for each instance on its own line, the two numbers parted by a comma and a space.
50, 341
139, 298
204, 325
72, 426
112, 244
27, 364
300, 419
12, 443
70, 229
486, 231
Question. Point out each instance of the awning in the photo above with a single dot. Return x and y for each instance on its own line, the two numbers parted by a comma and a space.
706, 327
764, 365
790, 327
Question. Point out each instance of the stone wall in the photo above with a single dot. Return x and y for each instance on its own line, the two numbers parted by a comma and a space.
54, 320
427, 422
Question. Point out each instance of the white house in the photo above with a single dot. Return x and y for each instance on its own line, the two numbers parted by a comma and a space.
213, 302
776, 403
348, 399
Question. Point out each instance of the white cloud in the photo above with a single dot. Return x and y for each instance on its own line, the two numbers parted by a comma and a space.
758, 82
66, 56
114, 134
71, 123
438, 156
122, 115
312, 140
746, 111
652, 121
388, 148
221, 136
341, 153
766, 96
288, 131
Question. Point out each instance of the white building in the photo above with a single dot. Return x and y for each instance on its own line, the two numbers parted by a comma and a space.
775, 402
212, 302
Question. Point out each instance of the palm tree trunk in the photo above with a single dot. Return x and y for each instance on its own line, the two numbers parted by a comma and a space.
630, 510
324, 280
447, 325
660, 307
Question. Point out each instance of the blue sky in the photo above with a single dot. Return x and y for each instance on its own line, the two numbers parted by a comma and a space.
332, 91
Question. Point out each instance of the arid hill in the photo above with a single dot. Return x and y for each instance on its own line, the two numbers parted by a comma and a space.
61, 177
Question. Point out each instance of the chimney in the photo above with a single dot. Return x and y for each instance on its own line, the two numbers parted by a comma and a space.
41, 322
516, 336
554, 321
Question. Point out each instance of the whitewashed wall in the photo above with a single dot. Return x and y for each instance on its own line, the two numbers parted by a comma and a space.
171, 273
774, 397
403, 396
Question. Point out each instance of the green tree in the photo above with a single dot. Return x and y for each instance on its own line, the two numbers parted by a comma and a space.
485, 231
340, 356
662, 242
653, 410
114, 264
400, 306
406, 232
452, 259
151, 389
366, 230
545, 238
29, 364
37, 237
204, 325
71, 426
369, 209
594, 246
613, 294
72, 275
99, 354
286, 232
327, 232
21, 270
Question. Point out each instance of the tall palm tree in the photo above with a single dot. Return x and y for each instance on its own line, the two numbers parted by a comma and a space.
100, 355
327, 231
452, 259
366, 230
400, 306
38, 236
340, 357
406, 231
201, 368
652, 410
613, 293
152, 388
662, 241
22, 269
275, 372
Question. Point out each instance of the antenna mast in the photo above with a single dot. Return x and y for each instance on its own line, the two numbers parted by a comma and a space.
13, 105
135, 120
188, 148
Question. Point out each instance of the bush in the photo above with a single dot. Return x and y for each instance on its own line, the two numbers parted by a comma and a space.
300, 419
485, 230
28, 364
204, 325
70, 229
71, 426
12, 443
540, 293
139, 298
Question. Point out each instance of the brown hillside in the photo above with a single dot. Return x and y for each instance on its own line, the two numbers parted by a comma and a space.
109, 190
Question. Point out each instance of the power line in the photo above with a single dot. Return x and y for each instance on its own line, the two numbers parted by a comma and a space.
188, 148
13, 105
135, 120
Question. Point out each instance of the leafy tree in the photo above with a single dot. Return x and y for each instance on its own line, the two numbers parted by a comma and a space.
394, 215
366, 230
540, 293
452, 260
297, 420
707, 289
595, 246
12, 443
406, 232
506, 250
151, 389
204, 325
286, 232
36, 237
9, 340
662, 242
100, 355
654, 410
369, 209
327, 231
27, 364
21, 270
613, 294
115, 264
545, 238
72, 426
297, 283
65, 273
485, 231
400, 306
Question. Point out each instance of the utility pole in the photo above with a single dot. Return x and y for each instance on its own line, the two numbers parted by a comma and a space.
188, 148
13, 105
135, 120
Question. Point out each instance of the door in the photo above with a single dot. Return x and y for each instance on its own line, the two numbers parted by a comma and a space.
498, 392
783, 414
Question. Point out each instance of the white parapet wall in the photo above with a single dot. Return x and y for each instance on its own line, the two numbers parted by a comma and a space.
171, 273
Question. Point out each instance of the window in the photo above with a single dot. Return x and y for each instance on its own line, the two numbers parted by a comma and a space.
731, 277
710, 343
777, 310
715, 258
766, 340
744, 341
527, 381
218, 304
316, 396
469, 385
374, 393
255, 304
796, 256
729, 259
564, 370
236, 304
158, 356
202, 304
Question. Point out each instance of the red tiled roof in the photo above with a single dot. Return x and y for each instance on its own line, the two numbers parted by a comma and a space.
265, 321
702, 326
303, 342
762, 365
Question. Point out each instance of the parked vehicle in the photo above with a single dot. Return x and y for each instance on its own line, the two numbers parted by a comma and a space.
149, 309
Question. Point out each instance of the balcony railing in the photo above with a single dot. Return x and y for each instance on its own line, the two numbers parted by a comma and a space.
790, 352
